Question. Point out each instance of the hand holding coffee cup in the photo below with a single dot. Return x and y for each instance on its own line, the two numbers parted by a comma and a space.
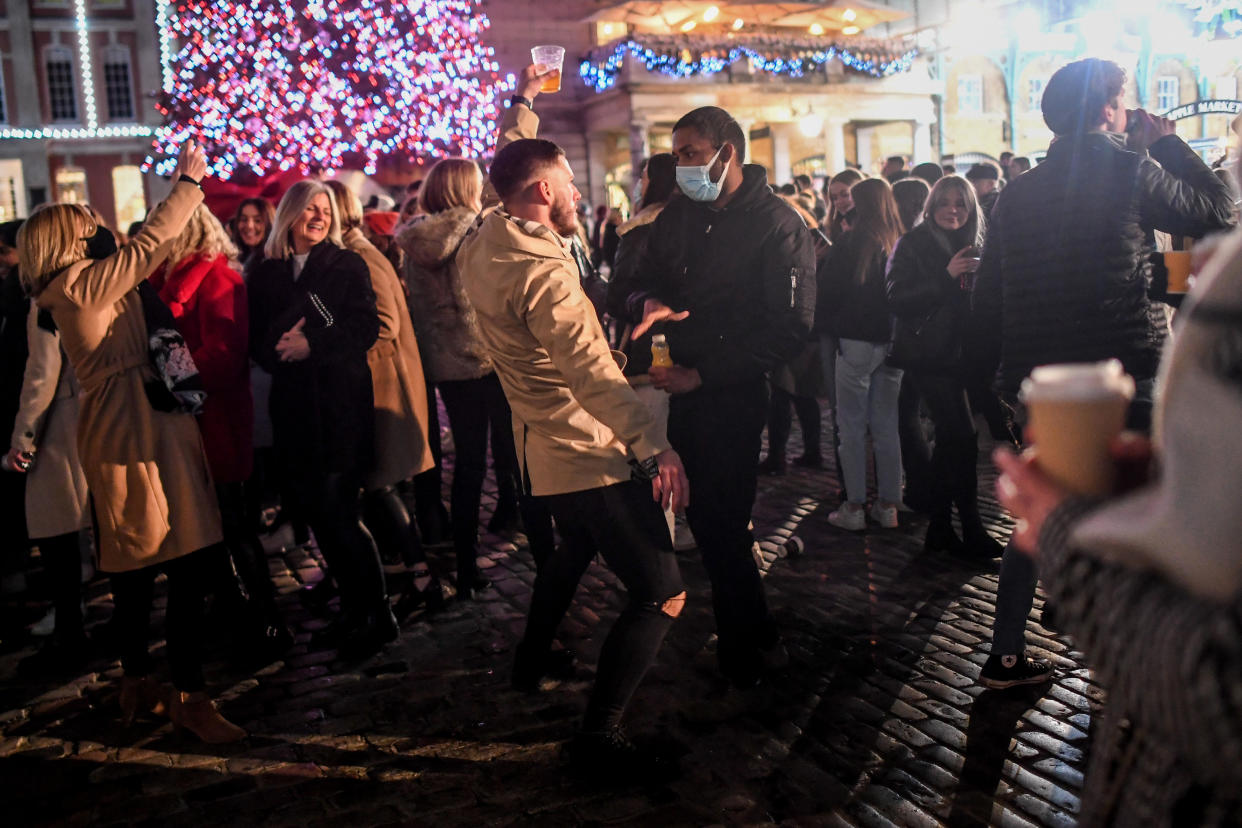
1075, 413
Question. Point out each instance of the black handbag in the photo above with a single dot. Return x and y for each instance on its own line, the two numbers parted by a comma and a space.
179, 386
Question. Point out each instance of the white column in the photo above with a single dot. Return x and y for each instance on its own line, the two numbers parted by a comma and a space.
834, 145
864, 149
922, 142
640, 144
746, 126
782, 172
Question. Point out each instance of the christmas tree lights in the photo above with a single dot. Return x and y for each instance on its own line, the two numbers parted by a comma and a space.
273, 86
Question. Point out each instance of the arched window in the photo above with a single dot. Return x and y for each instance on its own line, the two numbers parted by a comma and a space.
62, 91
118, 83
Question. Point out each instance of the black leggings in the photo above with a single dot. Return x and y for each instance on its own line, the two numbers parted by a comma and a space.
247, 553
62, 561
623, 524
475, 406
132, 593
954, 458
330, 500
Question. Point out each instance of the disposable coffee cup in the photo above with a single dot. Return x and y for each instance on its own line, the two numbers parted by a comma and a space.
549, 57
1177, 263
1074, 413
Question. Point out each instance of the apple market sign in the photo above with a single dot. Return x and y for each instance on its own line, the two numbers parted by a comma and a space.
1190, 110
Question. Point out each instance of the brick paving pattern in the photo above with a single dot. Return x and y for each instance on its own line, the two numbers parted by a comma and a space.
877, 721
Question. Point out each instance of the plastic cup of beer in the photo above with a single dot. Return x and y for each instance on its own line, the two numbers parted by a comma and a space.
549, 57
1075, 412
1177, 263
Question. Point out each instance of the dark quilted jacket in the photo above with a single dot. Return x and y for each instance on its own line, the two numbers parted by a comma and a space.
1065, 275
746, 273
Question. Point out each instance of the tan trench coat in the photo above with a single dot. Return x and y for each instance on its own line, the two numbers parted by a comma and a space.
402, 449
57, 498
576, 421
153, 493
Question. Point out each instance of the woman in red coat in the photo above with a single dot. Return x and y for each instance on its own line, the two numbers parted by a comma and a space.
208, 300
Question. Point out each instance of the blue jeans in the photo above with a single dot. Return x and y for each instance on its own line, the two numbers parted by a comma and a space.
867, 392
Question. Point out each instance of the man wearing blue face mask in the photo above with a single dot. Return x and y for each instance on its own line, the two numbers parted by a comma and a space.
729, 277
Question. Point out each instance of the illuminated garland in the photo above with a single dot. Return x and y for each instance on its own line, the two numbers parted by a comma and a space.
1216, 17
686, 57
311, 84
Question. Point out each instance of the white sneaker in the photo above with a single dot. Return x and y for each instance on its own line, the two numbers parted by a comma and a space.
885, 516
849, 517
45, 626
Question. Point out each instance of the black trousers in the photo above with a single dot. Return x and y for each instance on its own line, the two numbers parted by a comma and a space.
427, 488
132, 593
916, 459
717, 432
330, 500
477, 408
626, 526
244, 548
780, 422
62, 562
385, 514
954, 459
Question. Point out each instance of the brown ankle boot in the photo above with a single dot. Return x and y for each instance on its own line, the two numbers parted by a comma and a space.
141, 695
198, 714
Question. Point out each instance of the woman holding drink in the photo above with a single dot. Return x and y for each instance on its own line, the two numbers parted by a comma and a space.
929, 281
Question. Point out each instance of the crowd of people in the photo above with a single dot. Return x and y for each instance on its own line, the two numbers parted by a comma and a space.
182, 392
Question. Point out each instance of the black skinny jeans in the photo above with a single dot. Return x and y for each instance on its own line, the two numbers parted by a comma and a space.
473, 407
780, 422
132, 593
916, 458
718, 432
330, 500
627, 528
385, 514
954, 472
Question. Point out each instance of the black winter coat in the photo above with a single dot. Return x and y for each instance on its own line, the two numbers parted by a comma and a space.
745, 273
1065, 275
323, 408
849, 310
922, 295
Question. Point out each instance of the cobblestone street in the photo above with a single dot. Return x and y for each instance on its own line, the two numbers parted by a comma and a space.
877, 720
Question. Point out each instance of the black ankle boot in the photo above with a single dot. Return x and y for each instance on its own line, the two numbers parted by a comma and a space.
431, 597
941, 538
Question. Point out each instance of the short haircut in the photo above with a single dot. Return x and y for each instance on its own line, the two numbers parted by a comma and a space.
1005, 156
279, 244
803, 181
517, 164
983, 171
1022, 161
896, 159
929, 171
717, 126
347, 202
787, 190
1077, 92
452, 182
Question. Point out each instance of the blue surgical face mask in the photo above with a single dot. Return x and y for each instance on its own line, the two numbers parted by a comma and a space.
696, 182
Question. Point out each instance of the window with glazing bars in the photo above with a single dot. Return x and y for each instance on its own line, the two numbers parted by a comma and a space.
118, 85
61, 91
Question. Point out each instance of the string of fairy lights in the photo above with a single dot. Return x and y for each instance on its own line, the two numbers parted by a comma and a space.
274, 86
681, 58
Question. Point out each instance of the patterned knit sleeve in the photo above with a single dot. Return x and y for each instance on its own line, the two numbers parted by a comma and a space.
1168, 659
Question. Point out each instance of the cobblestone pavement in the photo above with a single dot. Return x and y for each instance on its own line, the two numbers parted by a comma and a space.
877, 720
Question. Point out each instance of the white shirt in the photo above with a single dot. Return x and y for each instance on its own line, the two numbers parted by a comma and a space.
299, 262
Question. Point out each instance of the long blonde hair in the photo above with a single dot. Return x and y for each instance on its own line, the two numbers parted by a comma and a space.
452, 182
203, 235
348, 203
279, 244
53, 238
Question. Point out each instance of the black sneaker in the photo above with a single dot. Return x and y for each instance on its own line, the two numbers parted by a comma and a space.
1002, 671
609, 756
529, 671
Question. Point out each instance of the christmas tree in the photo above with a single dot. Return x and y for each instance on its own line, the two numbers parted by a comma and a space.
274, 86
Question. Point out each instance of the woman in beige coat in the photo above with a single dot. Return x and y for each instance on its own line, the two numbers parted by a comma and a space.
146, 468
402, 449
44, 448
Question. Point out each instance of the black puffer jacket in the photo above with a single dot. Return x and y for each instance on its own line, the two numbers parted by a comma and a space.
1065, 275
849, 310
323, 408
746, 273
921, 293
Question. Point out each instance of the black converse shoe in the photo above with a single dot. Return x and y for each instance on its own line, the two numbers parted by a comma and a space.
1002, 671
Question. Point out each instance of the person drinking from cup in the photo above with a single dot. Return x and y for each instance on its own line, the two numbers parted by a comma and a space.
1065, 273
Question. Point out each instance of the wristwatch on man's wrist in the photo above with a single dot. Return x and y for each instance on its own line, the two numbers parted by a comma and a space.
519, 99
644, 470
